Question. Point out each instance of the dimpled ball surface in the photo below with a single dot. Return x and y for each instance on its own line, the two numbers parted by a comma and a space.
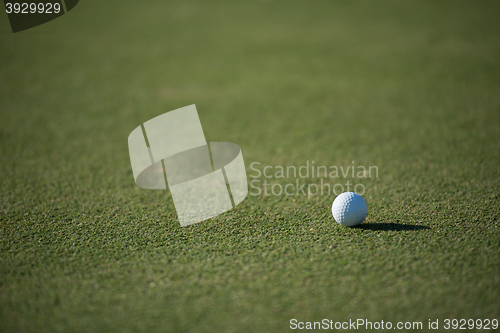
349, 209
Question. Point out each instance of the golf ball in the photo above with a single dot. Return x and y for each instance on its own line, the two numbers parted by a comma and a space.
349, 209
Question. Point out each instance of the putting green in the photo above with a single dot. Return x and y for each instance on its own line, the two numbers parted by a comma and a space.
412, 88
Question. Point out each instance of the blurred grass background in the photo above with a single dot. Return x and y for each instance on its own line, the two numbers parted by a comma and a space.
412, 87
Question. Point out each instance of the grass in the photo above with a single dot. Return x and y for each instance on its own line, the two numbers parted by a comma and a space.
411, 87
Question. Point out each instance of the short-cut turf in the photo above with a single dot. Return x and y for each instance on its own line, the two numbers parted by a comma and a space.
410, 87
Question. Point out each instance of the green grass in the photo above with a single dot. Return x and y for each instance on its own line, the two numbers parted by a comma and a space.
411, 87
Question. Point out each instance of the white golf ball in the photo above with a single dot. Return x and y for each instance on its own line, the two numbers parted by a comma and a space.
349, 209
